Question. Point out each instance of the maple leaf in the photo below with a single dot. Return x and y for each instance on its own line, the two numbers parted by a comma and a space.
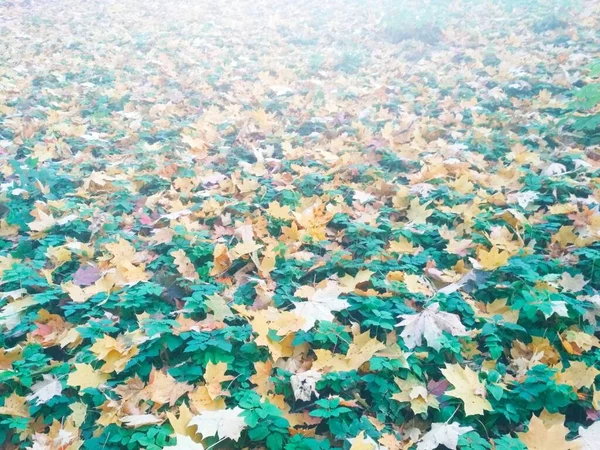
163, 389
222, 260
362, 349
348, 283
578, 375
492, 259
590, 436
415, 392
180, 424
279, 212
42, 222
218, 306
404, 246
15, 405
445, 434
362, 442
140, 420
363, 197
114, 352
468, 388
572, 284
214, 376
85, 376
304, 384
429, 324
10, 314
418, 213
540, 437
184, 265
320, 305
262, 377
45, 390
226, 423
565, 236
86, 275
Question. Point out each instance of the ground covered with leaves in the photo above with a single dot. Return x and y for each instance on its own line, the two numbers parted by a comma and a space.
299, 225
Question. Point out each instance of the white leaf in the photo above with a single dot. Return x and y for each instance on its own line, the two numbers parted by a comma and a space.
226, 423
442, 434
320, 305
523, 198
363, 197
590, 436
554, 169
429, 323
185, 443
304, 384
559, 307
45, 390
139, 420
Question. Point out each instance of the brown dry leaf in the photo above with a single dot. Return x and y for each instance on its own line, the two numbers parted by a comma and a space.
163, 389
222, 260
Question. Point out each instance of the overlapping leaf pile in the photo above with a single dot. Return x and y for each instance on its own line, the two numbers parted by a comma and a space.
286, 225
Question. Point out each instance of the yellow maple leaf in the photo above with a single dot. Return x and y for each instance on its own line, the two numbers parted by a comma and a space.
418, 213
360, 442
85, 376
417, 285
576, 342
42, 222
538, 437
184, 265
468, 388
496, 308
279, 212
404, 247
7, 230
329, 361
462, 185
244, 248
201, 401
180, 423
114, 352
221, 260
262, 377
578, 375
214, 376
415, 392
362, 349
348, 283
15, 405
565, 236
492, 259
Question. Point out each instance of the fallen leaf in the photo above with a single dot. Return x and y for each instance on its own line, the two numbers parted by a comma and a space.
429, 324
445, 434
45, 390
226, 423
85, 376
468, 388
538, 437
